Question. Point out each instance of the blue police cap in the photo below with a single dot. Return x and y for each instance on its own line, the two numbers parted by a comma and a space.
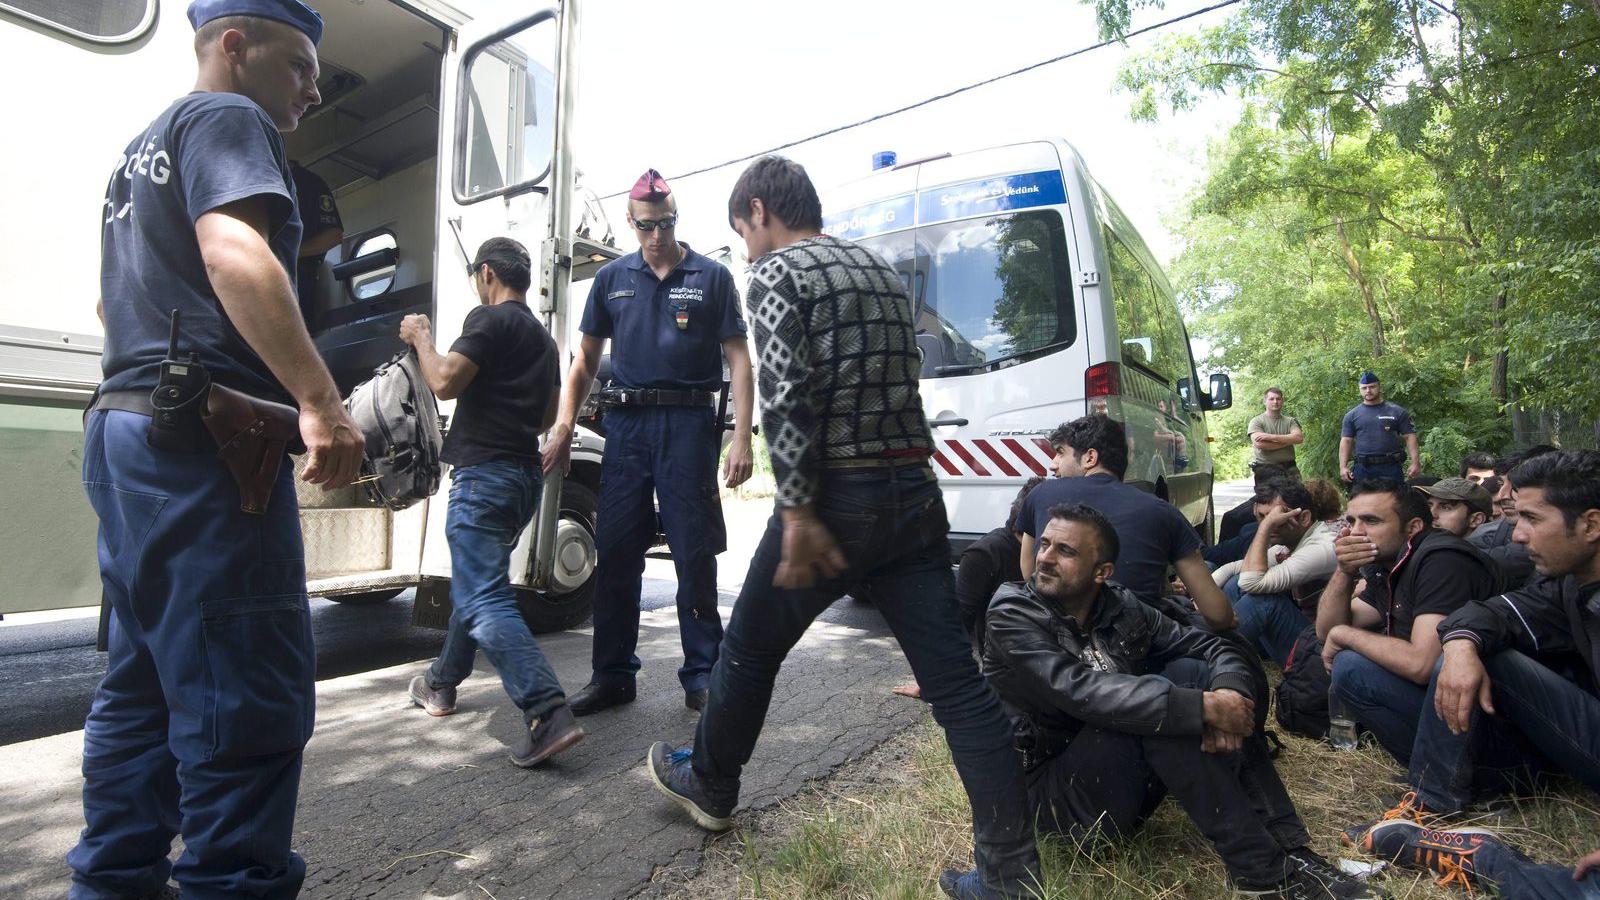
290, 12
1369, 378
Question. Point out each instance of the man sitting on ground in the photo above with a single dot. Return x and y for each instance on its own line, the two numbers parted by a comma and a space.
1459, 506
1518, 687
1494, 538
1477, 467
1091, 459
1102, 742
1381, 647
1237, 527
1288, 562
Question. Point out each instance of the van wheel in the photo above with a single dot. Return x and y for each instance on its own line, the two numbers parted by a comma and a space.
368, 598
575, 557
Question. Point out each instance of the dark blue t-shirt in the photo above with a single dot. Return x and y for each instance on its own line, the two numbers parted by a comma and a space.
1377, 429
1153, 533
205, 151
664, 334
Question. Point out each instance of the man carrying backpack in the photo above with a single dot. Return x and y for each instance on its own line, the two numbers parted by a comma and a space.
504, 369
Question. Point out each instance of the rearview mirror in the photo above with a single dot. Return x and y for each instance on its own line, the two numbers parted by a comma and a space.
1221, 395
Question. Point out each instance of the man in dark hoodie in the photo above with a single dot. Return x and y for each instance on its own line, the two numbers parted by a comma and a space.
1518, 686
1103, 743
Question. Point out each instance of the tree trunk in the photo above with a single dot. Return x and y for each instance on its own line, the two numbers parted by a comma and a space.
1353, 265
1497, 380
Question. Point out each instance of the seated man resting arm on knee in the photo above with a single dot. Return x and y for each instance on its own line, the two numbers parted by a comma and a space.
1102, 744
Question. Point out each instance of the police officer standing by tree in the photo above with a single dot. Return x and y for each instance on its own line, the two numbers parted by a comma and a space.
1371, 434
208, 700
667, 311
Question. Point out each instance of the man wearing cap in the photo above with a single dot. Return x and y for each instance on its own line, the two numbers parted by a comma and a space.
1371, 436
1459, 506
197, 728
324, 229
506, 374
672, 316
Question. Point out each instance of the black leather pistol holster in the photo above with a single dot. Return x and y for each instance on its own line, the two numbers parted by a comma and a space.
252, 436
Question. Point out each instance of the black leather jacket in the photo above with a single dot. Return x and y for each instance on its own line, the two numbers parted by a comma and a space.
1554, 619
1054, 677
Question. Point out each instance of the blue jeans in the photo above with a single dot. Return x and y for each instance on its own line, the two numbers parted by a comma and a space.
891, 526
490, 504
209, 694
668, 453
1270, 622
1543, 722
1387, 704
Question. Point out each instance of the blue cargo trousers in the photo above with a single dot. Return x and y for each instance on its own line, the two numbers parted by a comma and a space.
209, 695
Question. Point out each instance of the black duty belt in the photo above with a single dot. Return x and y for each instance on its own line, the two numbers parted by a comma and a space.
1379, 459
655, 397
126, 401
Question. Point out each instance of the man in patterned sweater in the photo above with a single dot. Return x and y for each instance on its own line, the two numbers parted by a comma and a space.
857, 504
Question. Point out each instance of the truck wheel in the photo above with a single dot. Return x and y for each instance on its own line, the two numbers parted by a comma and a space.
368, 598
575, 557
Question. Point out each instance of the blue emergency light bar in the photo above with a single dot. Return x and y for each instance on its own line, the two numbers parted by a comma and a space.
883, 159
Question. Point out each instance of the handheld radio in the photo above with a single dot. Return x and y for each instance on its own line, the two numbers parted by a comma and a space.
179, 396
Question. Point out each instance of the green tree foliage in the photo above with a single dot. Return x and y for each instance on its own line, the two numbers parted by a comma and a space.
1413, 186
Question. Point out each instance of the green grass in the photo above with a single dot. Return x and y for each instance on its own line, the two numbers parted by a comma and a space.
884, 828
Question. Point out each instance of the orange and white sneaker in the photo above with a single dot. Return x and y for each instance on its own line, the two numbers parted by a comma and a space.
1408, 809
1450, 853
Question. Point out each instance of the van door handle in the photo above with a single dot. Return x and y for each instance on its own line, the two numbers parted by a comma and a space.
953, 420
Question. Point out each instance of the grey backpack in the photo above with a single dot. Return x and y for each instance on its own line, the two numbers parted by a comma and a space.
398, 416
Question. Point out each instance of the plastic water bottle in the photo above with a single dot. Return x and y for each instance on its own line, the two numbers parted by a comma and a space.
1341, 728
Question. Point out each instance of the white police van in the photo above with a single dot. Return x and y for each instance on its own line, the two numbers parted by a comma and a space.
442, 124
1037, 303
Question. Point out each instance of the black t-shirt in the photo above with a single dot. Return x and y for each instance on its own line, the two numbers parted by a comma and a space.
498, 415
205, 151
1152, 532
318, 213
1447, 580
987, 563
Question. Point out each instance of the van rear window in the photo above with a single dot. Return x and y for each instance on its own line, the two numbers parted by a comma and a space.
987, 290
101, 21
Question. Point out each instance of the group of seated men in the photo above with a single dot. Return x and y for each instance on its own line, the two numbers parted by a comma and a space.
1472, 678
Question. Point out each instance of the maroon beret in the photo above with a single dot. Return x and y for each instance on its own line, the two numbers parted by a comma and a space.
650, 187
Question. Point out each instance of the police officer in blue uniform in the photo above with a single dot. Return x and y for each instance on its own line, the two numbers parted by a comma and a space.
1371, 435
208, 699
672, 316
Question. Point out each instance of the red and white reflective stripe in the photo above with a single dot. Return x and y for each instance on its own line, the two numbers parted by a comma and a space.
993, 457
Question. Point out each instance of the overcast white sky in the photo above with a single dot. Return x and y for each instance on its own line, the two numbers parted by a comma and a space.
678, 87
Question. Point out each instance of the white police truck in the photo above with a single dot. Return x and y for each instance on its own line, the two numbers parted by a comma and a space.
442, 124
1037, 303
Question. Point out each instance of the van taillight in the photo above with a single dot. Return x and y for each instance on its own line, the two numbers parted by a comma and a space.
1103, 380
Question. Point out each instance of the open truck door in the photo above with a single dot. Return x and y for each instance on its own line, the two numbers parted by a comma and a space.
506, 165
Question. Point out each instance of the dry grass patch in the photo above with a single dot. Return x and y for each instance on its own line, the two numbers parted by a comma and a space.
885, 826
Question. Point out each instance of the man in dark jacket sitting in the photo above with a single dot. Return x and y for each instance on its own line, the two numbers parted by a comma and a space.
1518, 686
1103, 741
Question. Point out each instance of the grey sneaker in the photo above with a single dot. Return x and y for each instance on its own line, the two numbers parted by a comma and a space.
437, 701
546, 736
674, 776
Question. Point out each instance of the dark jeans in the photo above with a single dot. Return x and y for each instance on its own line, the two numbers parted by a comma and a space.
1388, 705
1113, 781
490, 504
665, 454
891, 525
1543, 722
1270, 622
1518, 878
1385, 471
209, 693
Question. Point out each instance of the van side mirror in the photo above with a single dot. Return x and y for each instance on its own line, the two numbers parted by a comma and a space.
1221, 395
